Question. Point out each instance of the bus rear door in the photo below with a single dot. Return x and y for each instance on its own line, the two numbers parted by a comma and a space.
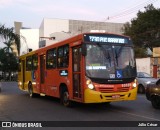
42, 74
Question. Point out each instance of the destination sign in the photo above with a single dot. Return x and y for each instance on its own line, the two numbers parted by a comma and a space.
108, 38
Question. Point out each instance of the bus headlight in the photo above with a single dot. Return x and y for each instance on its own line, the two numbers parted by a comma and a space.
134, 84
89, 84
20, 83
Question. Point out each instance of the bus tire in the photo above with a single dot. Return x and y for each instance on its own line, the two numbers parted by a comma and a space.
30, 90
65, 99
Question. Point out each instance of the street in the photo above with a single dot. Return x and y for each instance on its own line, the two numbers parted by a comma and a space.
16, 105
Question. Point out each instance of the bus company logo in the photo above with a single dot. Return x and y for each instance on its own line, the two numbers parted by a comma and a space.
6, 124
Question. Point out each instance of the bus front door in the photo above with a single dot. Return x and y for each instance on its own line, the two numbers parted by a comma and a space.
42, 74
77, 69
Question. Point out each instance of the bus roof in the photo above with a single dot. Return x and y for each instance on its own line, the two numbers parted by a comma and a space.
68, 40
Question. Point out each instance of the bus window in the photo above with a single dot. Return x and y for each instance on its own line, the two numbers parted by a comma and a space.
63, 56
29, 63
51, 59
35, 61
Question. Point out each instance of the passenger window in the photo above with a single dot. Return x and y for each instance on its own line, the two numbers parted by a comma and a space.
51, 59
63, 56
35, 61
29, 63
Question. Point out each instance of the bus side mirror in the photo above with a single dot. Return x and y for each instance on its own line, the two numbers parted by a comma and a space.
84, 49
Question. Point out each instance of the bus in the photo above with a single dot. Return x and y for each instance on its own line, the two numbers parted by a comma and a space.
86, 68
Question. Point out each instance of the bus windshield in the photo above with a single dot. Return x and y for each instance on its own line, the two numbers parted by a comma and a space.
110, 61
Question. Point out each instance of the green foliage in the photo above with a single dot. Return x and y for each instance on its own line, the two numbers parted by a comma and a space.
9, 35
140, 52
8, 61
144, 30
8, 47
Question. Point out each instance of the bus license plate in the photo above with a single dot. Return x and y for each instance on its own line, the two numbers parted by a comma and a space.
116, 96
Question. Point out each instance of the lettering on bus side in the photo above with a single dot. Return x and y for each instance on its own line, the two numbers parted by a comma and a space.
63, 72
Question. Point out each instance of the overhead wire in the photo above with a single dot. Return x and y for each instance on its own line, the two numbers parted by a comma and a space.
130, 10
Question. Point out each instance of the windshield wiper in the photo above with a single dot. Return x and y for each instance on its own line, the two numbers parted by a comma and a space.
109, 58
118, 53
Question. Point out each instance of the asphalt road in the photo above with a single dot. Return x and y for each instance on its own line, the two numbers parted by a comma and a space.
16, 105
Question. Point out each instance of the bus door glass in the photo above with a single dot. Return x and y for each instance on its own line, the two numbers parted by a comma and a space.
77, 79
42, 72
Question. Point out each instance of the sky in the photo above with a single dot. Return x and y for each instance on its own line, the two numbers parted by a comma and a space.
32, 12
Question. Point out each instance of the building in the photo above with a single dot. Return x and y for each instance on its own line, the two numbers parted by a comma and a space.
74, 27
54, 30
147, 65
150, 65
60, 29
31, 40
156, 56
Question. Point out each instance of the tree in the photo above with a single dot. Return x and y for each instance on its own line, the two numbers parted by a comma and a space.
9, 35
8, 48
145, 29
8, 62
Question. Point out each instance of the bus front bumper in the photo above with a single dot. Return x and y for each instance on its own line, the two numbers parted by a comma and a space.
91, 96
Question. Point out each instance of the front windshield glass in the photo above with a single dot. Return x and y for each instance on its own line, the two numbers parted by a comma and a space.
110, 62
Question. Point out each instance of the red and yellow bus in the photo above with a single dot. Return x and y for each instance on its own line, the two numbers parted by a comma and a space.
87, 68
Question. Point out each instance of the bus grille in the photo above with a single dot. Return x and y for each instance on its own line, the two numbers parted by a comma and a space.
112, 90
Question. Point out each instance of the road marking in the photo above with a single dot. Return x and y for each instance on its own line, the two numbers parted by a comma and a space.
137, 115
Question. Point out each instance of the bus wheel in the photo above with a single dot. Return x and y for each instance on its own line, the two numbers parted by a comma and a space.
65, 99
30, 90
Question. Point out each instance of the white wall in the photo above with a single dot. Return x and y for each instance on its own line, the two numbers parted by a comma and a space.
60, 36
32, 40
144, 65
49, 26
41, 29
